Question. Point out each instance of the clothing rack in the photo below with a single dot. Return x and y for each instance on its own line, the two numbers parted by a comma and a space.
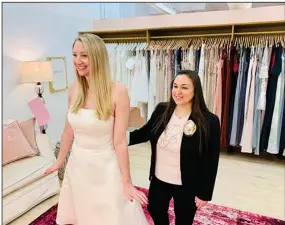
245, 37
225, 30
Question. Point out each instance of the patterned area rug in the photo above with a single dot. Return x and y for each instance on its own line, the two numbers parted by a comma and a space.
209, 215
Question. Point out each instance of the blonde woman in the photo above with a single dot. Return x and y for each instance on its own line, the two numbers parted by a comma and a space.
97, 187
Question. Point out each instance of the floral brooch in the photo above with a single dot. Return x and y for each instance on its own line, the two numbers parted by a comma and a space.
189, 128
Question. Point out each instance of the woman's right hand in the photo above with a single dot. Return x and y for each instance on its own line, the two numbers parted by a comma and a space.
54, 167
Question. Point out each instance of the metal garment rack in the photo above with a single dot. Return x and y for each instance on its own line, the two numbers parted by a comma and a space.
231, 31
226, 30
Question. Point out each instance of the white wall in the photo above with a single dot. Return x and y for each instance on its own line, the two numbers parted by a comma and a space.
124, 10
33, 31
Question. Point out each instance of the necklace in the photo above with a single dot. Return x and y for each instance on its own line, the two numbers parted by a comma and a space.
181, 117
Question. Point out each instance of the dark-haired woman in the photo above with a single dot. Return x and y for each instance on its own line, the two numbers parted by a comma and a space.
185, 144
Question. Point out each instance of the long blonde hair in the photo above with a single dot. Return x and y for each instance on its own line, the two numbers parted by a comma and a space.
99, 77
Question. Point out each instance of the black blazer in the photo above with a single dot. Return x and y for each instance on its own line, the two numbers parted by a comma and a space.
198, 172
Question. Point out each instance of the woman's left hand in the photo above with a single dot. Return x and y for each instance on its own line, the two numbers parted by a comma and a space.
132, 193
200, 203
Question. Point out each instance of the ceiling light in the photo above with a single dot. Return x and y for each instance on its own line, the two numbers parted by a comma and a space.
162, 7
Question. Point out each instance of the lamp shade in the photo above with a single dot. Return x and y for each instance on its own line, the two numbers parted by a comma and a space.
233, 6
36, 71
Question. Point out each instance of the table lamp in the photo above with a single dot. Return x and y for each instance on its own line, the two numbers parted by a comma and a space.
233, 6
37, 72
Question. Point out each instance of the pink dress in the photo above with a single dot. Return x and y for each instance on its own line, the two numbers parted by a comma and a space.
246, 140
217, 107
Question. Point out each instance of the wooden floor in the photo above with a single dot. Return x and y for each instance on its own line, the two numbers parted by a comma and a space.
250, 183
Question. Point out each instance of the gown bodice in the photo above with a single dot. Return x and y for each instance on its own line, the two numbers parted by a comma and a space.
90, 132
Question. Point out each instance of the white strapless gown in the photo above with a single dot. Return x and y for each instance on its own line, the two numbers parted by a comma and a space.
92, 189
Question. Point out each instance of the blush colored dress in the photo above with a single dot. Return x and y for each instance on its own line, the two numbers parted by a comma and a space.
92, 189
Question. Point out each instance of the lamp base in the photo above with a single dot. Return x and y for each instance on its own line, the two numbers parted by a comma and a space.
40, 90
43, 129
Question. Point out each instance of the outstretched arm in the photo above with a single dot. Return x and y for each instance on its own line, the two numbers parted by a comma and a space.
144, 133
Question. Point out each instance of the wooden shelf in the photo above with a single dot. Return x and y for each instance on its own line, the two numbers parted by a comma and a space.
185, 32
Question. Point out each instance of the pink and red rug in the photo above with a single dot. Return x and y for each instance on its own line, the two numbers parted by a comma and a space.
209, 215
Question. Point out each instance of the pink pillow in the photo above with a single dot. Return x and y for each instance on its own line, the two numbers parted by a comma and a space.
28, 128
15, 144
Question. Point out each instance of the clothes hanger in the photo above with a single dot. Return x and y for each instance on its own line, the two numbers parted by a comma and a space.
176, 44
166, 44
282, 40
141, 44
205, 41
218, 43
160, 45
262, 41
210, 43
188, 43
154, 45
122, 46
144, 46
255, 42
149, 47
250, 40
213, 41
127, 45
137, 46
134, 46
243, 42
270, 41
157, 44
169, 44
222, 42
182, 45
197, 43
194, 43
277, 40
131, 46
